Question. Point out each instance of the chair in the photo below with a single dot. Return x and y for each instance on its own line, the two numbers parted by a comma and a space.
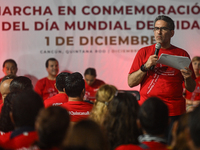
134, 92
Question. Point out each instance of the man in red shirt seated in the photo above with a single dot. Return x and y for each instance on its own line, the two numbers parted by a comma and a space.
45, 86
26, 106
61, 97
9, 68
91, 84
75, 89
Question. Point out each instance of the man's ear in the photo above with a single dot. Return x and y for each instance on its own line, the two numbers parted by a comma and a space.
11, 117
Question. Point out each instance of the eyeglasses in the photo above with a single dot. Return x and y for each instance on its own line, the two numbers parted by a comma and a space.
160, 29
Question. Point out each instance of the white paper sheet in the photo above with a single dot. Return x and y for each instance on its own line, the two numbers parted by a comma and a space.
178, 62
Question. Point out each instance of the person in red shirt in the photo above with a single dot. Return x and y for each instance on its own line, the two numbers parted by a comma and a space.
9, 68
91, 84
26, 106
45, 87
61, 97
160, 80
193, 98
75, 89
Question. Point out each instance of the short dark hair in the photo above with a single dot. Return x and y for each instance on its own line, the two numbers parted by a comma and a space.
26, 106
20, 83
194, 126
74, 84
60, 80
10, 76
53, 124
50, 59
167, 19
11, 61
90, 71
153, 116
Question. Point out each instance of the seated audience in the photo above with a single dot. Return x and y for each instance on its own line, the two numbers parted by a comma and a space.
20, 83
179, 133
75, 89
91, 84
61, 97
26, 106
45, 87
6, 124
9, 67
51, 125
153, 120
193, 139
193, 98
103, 96
120, 121
5, 85
85, 134
16, 84
5, 88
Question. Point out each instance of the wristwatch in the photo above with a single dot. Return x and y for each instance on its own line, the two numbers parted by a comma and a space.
143, 68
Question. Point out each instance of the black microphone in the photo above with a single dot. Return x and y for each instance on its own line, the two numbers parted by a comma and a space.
158, 46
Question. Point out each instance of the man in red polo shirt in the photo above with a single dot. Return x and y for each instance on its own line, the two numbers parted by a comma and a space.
61, 97
26, 106
45, 86
75, 89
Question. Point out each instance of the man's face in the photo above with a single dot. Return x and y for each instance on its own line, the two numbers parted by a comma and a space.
196, 66
163, 35
4, 88
9, 69
53, 68
89, 79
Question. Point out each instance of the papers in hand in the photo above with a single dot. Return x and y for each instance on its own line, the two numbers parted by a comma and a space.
178, 62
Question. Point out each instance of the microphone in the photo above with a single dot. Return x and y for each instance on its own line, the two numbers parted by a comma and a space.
158, 46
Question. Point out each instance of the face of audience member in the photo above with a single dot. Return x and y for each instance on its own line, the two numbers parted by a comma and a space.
162, 36
53, 68
9, 68
89, 79
196, 66
4, 88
